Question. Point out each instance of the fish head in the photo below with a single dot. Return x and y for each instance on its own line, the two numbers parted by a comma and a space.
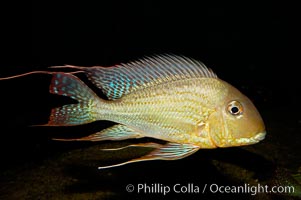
236, 121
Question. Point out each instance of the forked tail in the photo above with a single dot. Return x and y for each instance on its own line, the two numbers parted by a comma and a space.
85, 111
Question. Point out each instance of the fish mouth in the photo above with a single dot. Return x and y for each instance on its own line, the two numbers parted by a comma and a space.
260, 136
247, 141
257, 138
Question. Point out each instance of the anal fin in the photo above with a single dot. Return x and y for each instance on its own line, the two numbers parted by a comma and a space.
169, 151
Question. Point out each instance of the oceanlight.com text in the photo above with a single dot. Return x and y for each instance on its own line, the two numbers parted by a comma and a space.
192, 188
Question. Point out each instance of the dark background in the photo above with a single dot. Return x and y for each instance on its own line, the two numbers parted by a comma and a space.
252, 46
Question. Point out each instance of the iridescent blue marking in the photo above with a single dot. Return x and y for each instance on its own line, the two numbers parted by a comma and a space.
64, 80
128, 84
119, 85
112, 85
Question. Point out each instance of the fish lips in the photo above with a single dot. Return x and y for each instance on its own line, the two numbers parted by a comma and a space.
260, 136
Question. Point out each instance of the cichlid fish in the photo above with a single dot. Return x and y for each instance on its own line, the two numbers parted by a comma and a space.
167, 97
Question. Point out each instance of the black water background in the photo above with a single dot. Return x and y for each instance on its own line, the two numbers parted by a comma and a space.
252, 46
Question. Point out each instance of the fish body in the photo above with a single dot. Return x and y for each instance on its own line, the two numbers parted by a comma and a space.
172, 98
181, 111
175, 111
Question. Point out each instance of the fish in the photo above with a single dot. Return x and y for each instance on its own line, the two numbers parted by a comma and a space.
172, 98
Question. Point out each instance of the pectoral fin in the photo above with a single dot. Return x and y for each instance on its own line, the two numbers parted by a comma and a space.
116, 132
169, 151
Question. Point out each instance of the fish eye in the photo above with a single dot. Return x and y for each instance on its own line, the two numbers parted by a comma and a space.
235, 108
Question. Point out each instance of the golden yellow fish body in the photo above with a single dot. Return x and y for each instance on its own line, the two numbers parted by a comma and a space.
178, 112
175, 111
172, 98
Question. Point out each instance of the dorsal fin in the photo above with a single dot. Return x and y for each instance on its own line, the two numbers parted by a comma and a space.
125, 78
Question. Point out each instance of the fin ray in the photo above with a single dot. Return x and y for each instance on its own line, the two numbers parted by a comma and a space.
124, 78
40, 72
169, 151
147, 145
116, 132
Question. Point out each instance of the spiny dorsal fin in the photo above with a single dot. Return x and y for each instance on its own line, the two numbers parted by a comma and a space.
125, 78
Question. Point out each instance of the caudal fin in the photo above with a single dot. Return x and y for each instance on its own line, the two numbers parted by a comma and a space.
73, 114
